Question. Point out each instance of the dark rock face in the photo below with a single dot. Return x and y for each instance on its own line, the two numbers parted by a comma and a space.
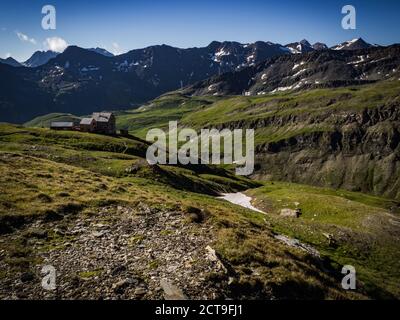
11, 62
40, 58
300, 47
319, 46
102, 51
316, 69
355, 44
362, 153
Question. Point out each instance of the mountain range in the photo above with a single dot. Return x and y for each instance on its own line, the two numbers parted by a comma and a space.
10, 61
102, 51
355, 44
39, 58
42, 57
80, 80
317, 69
325, 190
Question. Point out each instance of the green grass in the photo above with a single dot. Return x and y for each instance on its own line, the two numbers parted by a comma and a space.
45, 121
210, 111
359, 223
158, 113
218, 112
300, 127
33, 186
39, 185
90, 274
113, 157
45, 172
307, 103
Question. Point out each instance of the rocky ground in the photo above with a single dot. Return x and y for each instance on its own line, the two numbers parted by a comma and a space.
116, 253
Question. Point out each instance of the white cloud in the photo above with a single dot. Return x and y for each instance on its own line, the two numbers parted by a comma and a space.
116, 49
24, 37
7, 55
56, 44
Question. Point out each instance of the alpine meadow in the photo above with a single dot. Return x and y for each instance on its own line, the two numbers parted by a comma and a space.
257, 167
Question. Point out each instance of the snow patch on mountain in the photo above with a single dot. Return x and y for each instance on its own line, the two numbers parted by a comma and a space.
299, 73
298, 65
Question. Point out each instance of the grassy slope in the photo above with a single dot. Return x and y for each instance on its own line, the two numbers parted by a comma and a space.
159, 112
200, 112
117, 157
310, 102
284, 118
57, 175
210, 111
363, 226
364, 219
44, 121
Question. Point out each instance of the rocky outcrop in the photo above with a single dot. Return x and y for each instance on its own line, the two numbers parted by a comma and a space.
315, 69
171, 292
290, 213
359, 152
118, 253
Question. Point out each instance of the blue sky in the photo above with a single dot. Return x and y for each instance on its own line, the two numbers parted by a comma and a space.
120, 26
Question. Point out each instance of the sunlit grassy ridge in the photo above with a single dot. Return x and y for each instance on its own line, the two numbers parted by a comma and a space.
214, 111
337, 137
118, 157
45, 121
159, 112
201, 112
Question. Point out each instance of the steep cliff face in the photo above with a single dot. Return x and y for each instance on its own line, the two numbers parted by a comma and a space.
359, 152
356, 150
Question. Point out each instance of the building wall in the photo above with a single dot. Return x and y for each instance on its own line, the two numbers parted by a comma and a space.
62, 128
107, 127
87, 127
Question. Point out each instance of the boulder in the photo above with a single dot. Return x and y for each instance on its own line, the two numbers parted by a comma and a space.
171, 292
286, 212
